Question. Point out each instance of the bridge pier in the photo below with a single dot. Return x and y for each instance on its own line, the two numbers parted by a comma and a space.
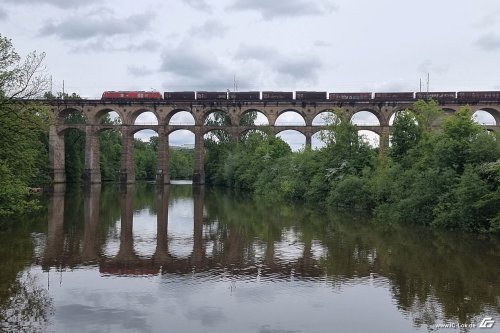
56, 156
384, 140
162, 172
308, 135
92, 173
198, 172
127, 172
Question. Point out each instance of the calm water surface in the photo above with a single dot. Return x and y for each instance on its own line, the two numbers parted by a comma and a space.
194, 259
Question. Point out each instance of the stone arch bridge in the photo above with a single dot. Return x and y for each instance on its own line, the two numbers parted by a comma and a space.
128, 111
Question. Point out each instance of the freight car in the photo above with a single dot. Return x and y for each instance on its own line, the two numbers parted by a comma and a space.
394, 96
211, 95
179, 95
471, 96
277, 95
438, 96
350, 96
310, 95
244, 95
134, 95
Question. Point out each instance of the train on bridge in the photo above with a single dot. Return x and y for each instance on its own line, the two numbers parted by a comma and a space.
313, 96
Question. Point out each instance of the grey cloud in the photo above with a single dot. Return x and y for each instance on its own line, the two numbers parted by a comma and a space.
106, 45
209, 29
390, 86
300, 69
267, 329
201, 5
286, 67
488, 20
291, 8
489, 42
3, 14
428, 67
58, 3
255, 53
322, 43
82, 28
140, 71
191, 68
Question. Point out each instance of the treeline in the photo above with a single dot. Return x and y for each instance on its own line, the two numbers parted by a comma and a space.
439, 171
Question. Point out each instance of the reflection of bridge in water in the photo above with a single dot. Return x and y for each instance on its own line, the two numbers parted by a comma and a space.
230, 257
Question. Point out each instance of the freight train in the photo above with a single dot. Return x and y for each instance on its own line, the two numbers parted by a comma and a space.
312, 96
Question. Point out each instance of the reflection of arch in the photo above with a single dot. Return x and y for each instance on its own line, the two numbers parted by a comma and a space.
371, 137
493, 120
136, 113
367, 113
319, 120
291, 138
101, 113
257, 122
227, 118
179, 113
301, 122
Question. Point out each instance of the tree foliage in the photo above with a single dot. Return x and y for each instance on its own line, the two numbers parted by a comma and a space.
23, 129
438, 172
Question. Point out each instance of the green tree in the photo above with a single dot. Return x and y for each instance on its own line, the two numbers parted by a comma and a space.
23, 129
406, 134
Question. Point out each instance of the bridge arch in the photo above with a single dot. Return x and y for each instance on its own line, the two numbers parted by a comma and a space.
293, 117
318, 139
370, 137
248, 131
180, 117
261, 118
321, 119
140, 128
63, 115
115, 115
487, 116
295, 139
217, 117
69, 127
145, 116
367, 117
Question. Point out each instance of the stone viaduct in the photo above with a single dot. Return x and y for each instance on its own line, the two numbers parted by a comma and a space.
128, 111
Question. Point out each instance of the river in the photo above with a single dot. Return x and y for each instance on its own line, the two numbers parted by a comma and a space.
194, 259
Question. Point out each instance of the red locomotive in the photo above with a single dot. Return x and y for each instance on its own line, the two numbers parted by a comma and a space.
126, 95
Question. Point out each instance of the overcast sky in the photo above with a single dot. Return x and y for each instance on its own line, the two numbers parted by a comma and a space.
331, 45
326, 45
